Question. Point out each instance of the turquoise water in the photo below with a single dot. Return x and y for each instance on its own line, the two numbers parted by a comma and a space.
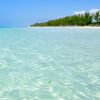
49, 64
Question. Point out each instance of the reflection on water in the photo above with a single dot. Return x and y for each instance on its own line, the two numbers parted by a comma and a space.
49, 64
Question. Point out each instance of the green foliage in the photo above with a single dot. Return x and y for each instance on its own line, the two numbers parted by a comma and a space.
79, 20
97, 17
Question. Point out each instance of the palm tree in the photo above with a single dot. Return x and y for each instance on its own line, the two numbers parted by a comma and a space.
97, 17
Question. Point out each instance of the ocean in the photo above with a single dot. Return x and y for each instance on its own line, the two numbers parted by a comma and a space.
49, 63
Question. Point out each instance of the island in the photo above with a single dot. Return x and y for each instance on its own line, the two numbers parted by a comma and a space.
86, 19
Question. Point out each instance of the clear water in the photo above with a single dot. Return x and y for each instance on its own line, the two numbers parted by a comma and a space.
49, 64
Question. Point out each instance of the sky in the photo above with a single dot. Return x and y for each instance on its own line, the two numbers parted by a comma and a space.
26, 12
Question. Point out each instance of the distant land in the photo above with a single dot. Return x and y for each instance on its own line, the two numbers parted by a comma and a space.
86, 19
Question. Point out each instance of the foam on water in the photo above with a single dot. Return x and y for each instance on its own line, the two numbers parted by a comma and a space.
49, 64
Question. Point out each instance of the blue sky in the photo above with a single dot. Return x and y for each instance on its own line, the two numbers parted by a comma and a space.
26, 12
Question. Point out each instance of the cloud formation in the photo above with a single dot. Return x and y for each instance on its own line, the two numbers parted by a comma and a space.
91, 11
79, 12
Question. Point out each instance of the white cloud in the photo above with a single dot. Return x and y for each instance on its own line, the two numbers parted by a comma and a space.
82, 12
92, 11
79, 12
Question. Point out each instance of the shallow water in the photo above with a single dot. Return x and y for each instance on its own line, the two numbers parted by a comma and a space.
49, 64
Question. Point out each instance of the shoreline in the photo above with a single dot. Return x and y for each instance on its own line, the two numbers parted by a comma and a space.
82, 27
78, 27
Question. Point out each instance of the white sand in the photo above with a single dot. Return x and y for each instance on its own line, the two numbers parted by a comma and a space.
82, 27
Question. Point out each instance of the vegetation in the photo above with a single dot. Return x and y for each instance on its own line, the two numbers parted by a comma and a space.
75, 20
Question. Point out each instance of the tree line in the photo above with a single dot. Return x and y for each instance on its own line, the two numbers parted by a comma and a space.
86, 19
